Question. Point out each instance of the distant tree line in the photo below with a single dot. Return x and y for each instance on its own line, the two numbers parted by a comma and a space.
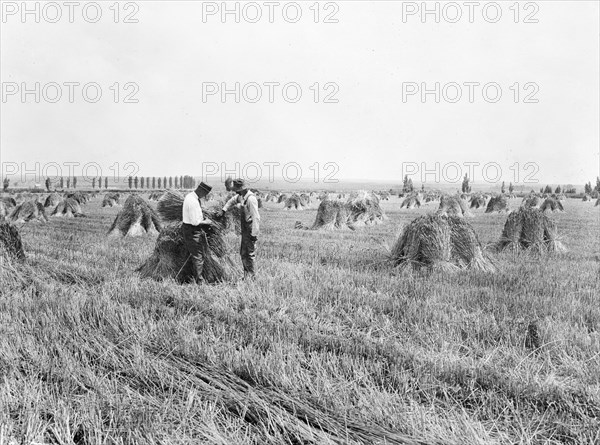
185, 182
134, 182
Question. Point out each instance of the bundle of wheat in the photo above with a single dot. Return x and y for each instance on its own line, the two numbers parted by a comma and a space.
111, 199
384, 196
452, 206
155, 196
28, 211
430, 197
553, 205
440, 242
6, 206
478, 201
331, 215
411, 201
231, 220
597, 203
136, 218
293, 203
364, 209
587, 198
170, 209
80, 197
282, 198
10, 242
9, 202
25, 196
52, 200
68, 208
170, 206
322, 196
532, 201
170, 258
304, 200
272, 197
529, 229
497, 204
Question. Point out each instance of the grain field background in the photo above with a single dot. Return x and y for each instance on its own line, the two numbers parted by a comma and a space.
91, 354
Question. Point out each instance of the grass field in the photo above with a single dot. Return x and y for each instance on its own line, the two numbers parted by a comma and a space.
89, 353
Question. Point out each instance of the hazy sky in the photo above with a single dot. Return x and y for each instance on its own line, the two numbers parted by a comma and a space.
367, 60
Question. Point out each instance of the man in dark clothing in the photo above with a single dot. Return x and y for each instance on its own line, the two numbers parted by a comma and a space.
193, 220
250, 221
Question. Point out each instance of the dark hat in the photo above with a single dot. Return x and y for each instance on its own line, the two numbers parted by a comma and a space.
238, 184
202, 187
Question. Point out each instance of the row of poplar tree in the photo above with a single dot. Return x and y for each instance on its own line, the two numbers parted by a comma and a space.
185, 182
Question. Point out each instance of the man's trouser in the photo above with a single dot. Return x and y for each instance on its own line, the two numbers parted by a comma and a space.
248, 248
191, 237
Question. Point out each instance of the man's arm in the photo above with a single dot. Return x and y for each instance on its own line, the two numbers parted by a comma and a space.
230, 203
253, 209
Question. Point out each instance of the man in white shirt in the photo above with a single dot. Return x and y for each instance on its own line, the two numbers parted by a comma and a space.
250, 221
193, 221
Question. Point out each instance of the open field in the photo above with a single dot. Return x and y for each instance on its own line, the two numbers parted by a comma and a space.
89, 353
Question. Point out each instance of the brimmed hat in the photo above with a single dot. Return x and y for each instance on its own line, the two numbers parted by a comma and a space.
238, 185
204, 187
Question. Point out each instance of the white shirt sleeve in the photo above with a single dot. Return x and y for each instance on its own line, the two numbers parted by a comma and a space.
233, 200
192, 212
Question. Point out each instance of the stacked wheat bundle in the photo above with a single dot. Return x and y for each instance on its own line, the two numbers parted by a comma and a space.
478, 201
384, 195
111, 199
294, 202
553, 204
11, 246
431, 196
155, 196
437, 242
497, 203
452, 206
28, 211
361, 209
52, 200
331, 214
364, 209
272, 197
532, 201
170, 258
12, 256
80, 197
136, 218
411, 201
305, 200
68, 208
529, 229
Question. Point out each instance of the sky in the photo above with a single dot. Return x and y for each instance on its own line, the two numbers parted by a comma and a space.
360, 115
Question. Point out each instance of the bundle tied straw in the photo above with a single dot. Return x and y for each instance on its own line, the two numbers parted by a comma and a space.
171, 259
